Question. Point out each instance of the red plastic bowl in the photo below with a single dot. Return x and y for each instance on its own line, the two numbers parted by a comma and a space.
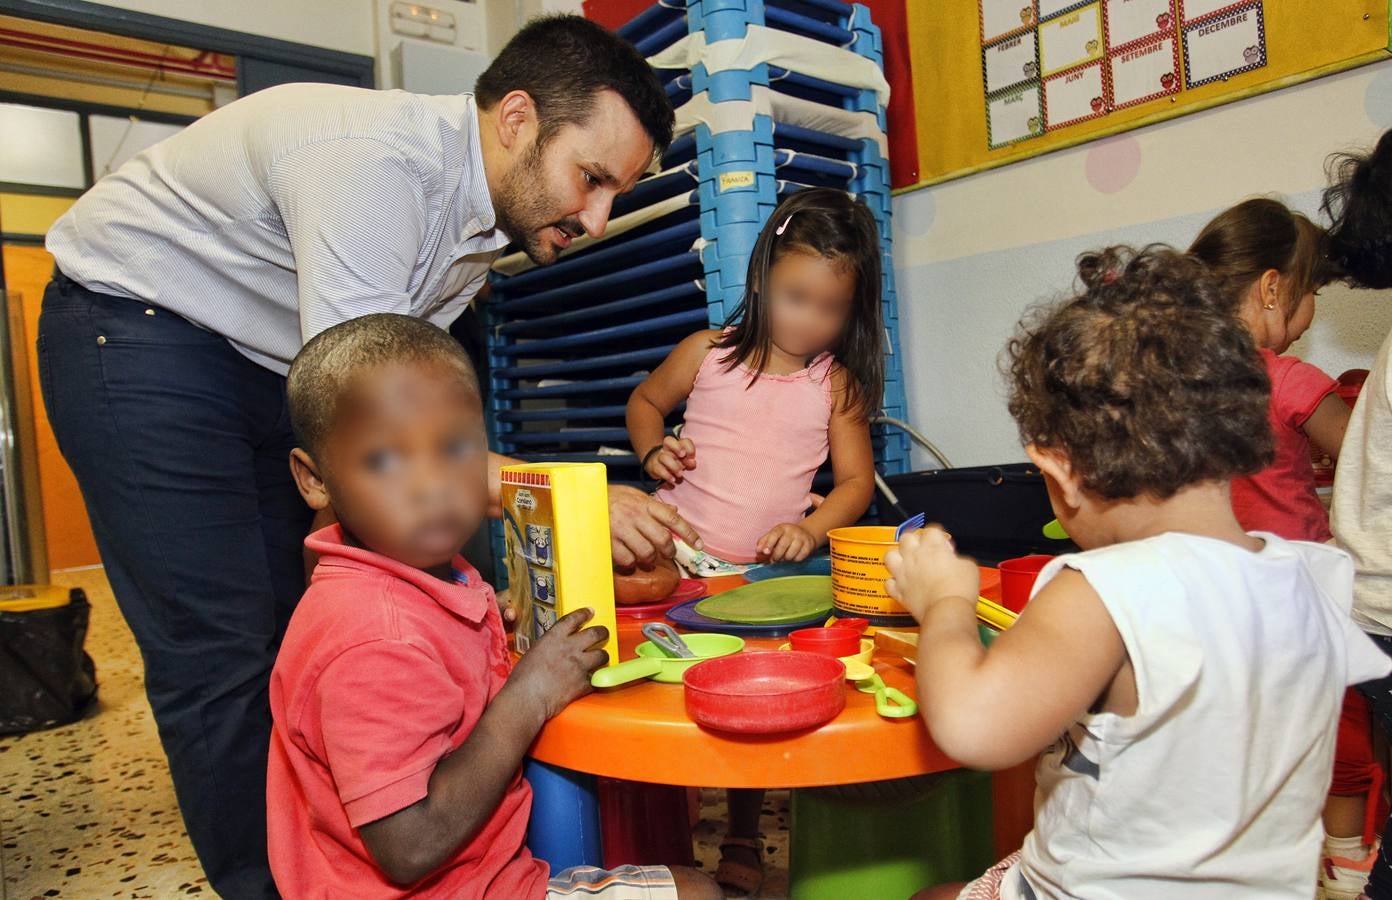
765, 693
834, 640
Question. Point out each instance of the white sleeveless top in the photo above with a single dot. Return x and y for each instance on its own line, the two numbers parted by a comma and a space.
1213, 788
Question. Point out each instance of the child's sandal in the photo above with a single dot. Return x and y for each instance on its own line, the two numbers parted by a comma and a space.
737, 876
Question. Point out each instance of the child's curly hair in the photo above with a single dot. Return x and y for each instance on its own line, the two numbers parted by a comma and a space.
1145, 379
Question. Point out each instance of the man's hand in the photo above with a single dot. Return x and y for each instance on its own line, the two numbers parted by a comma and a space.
506, 610
669, 464
641, 528
925, 569
789, 542
557, 668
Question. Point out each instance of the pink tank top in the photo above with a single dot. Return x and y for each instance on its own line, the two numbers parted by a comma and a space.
757, 447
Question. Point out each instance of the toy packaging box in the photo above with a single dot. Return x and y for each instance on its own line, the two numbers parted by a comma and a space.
556, 530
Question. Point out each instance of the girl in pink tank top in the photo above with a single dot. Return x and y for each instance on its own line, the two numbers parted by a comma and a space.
794, 376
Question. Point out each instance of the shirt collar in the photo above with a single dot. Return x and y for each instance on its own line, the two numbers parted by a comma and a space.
475, 181
469, 600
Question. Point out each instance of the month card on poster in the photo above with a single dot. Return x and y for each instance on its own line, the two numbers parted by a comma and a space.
1071, 39
1014, 116
1224, 45
1193, 10
1144, 72
1050, 8
1129, 21
1009, 62
1074, 96
1002, 17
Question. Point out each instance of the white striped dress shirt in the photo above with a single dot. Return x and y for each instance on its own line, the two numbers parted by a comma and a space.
291, 210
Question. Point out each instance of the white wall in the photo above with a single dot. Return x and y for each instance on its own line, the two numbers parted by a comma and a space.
337, 24
972, 254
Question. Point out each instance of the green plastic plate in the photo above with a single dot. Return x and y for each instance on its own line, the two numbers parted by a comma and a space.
775, 601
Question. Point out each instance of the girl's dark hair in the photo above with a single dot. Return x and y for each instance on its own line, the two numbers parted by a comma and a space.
1145, 380
1358, 202
837, 227
562, 61
1261, 234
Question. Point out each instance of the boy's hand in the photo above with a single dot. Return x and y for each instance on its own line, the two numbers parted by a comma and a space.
557, 668
925, 568
789, 542
676, 457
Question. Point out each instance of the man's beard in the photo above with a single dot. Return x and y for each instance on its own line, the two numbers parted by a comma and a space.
524, 208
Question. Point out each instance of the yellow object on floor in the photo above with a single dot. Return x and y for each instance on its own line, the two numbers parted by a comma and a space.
20, 598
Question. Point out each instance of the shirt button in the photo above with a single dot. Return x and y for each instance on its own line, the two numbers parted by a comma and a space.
101, 339
149, 312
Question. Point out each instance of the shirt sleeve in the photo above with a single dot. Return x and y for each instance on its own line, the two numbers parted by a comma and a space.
1333, 574
1300, 390
385, 711
355, 215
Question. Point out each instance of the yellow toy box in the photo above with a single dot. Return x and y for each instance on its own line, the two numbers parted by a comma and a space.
556, 528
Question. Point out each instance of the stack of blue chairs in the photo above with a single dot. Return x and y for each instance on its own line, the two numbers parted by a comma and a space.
567, 343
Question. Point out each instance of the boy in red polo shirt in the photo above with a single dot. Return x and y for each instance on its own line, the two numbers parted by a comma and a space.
399, 721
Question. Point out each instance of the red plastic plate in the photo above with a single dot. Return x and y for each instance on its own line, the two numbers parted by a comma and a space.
688, 589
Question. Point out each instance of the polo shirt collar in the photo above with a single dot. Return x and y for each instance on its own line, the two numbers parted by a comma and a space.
470, 600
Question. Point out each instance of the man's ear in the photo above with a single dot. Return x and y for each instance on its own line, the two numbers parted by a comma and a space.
515, 117
1058, 468
308, 480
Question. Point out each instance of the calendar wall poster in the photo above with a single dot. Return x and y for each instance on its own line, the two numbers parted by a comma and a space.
1001, 80
1093, 58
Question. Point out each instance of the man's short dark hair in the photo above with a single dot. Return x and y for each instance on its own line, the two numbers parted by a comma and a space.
562, 61
329, 363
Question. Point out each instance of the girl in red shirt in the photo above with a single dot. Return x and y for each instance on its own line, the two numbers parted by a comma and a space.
1273, 263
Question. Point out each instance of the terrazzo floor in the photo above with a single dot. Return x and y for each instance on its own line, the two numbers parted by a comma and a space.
87, 810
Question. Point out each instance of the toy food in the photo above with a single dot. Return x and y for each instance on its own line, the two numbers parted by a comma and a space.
645, 585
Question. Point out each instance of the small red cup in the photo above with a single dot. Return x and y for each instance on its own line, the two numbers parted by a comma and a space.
835, 640
1017, 580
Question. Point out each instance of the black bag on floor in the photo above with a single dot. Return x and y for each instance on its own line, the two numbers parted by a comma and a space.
46, 678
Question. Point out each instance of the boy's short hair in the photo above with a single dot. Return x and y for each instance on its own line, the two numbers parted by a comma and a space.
1145, 379
324, 368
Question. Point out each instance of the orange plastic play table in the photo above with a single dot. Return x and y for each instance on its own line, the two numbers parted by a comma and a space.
641, 732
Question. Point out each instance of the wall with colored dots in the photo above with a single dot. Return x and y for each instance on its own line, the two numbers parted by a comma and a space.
971, 255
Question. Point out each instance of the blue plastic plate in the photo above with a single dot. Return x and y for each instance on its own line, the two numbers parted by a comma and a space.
814, 565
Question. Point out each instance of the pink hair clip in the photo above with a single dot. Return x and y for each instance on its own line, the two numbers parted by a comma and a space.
780, 228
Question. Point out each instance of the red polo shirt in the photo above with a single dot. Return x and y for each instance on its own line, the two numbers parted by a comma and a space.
383, 672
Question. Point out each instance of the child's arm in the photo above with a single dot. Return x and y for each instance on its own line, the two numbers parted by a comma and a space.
853, 467
994, 709
1326, 426
468, 784
654, 399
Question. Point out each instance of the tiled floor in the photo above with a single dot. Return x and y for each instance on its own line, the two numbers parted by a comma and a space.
87, 810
